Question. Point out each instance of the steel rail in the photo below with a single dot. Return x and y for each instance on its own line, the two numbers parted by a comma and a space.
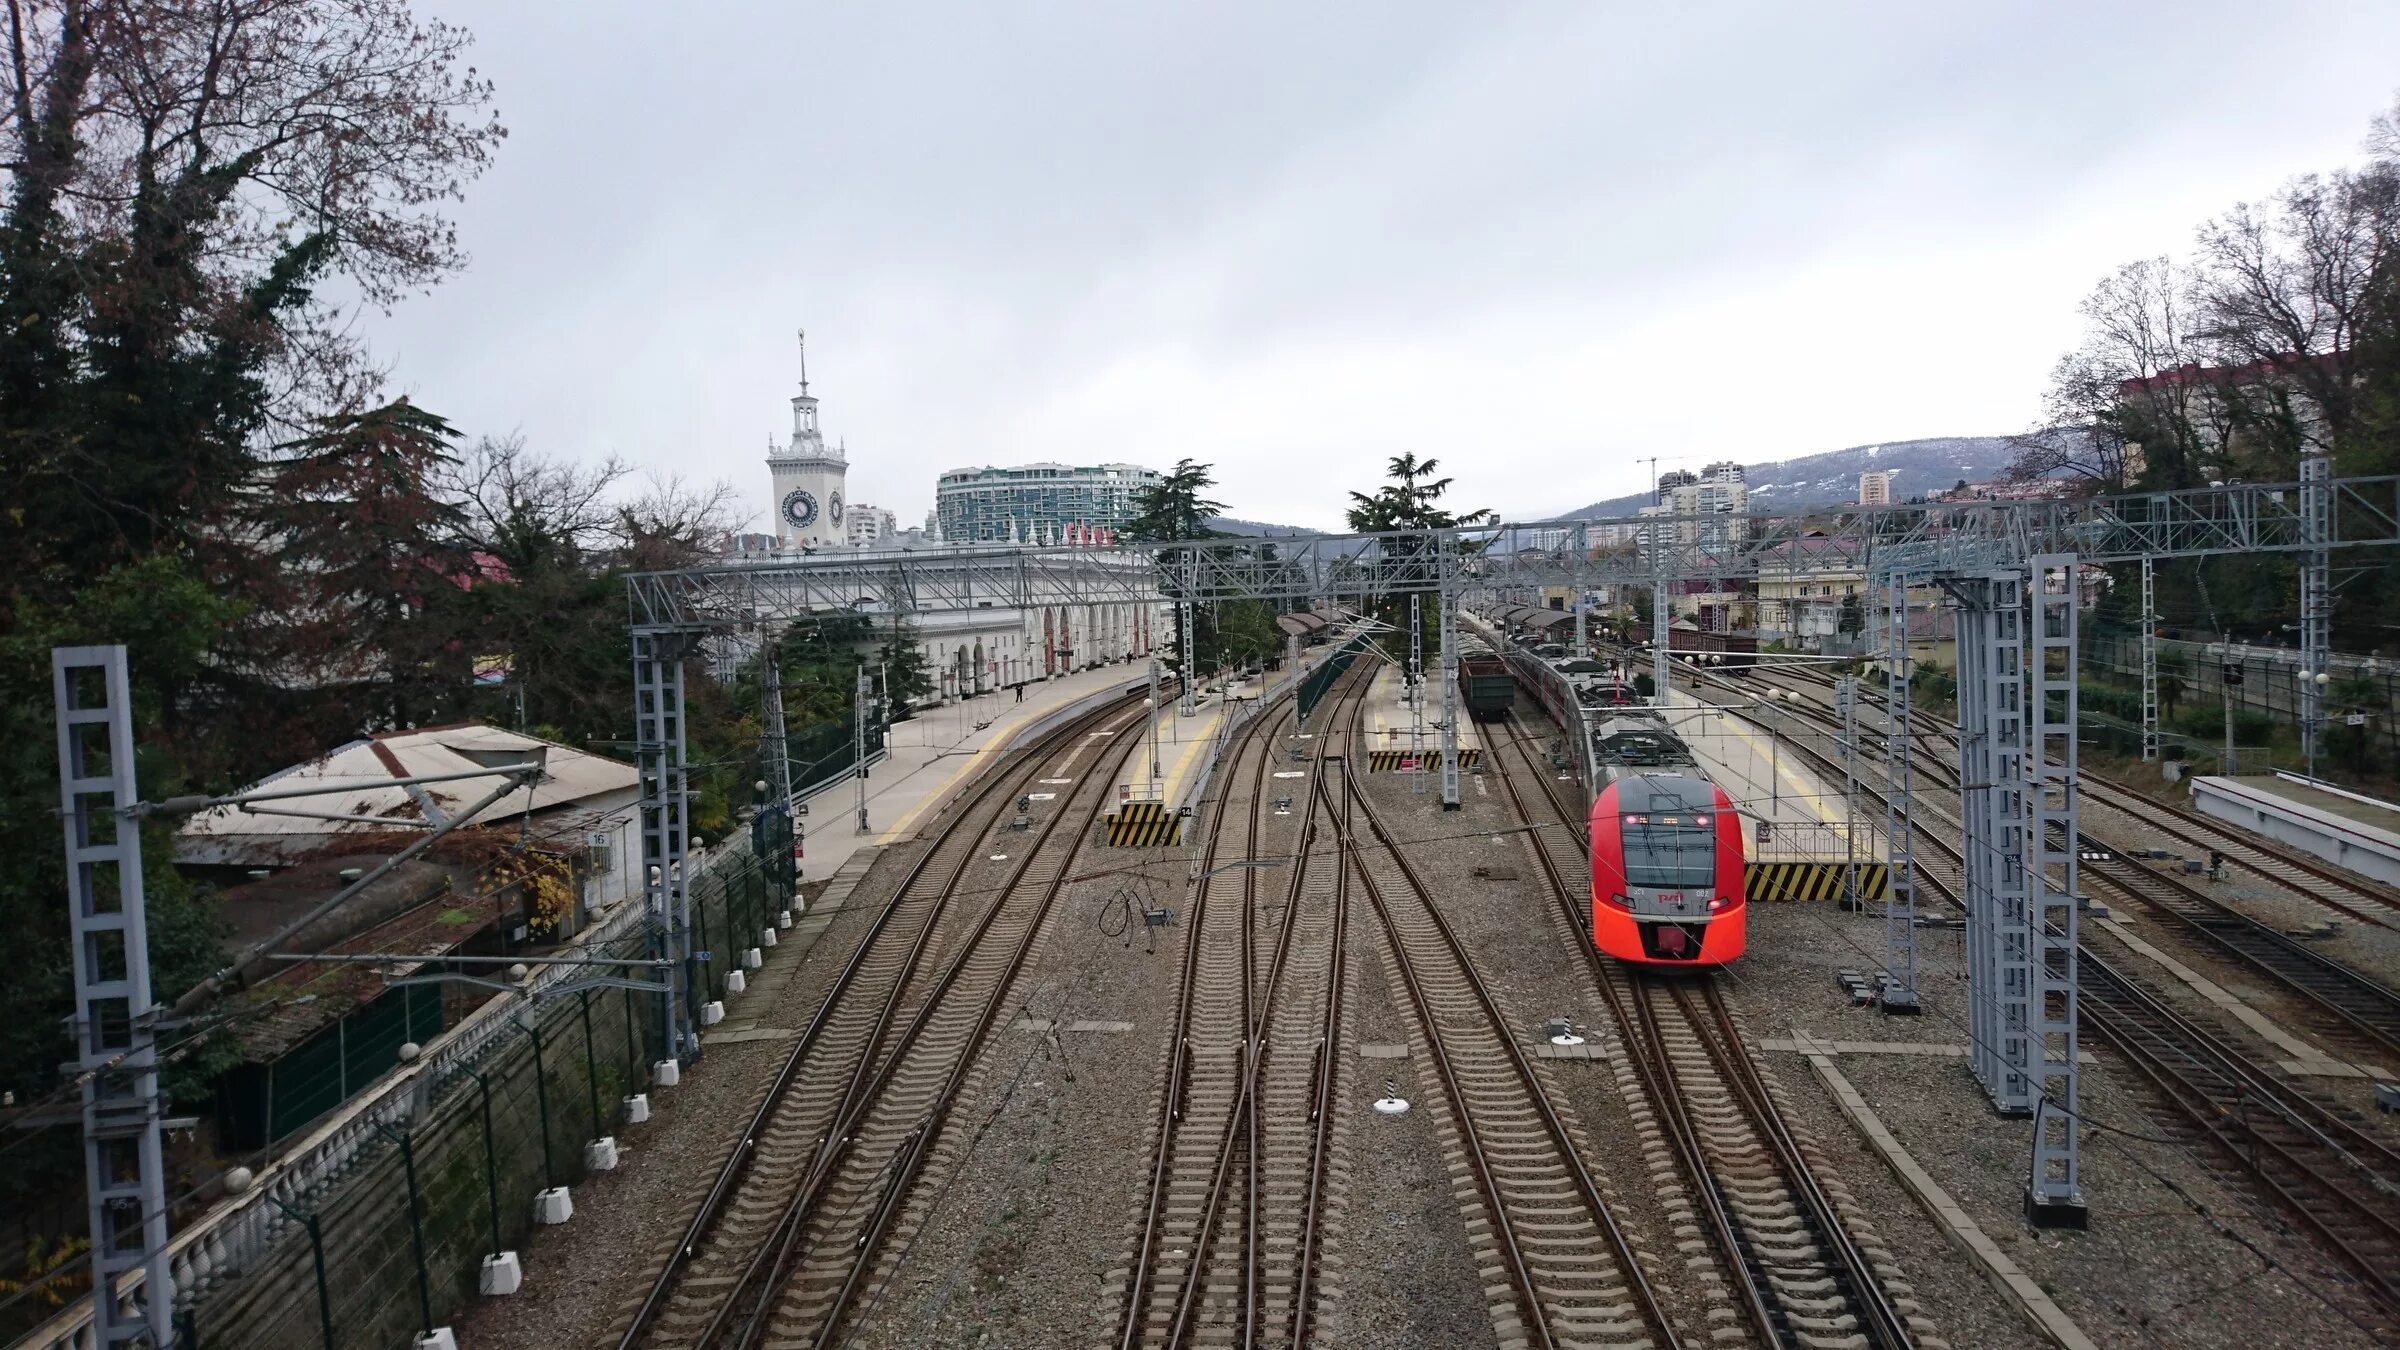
2369, 1008
736, 1168
1254, 739
1242, 1129
1885, 1324
912, 1157
1179, 1066
2106, 990
1647, 1062
772, 1268
1628, 1264
2270, 861
2153, 1037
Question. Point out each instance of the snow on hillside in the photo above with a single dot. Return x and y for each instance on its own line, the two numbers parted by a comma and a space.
1831, 478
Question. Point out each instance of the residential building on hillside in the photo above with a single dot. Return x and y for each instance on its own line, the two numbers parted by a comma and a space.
1875, 488
2233, 415
1717, 490
1037, 501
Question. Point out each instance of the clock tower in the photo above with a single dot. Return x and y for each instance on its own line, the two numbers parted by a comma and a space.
808, 477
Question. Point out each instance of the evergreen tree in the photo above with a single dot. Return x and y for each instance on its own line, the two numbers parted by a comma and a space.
1169, 511
373, 569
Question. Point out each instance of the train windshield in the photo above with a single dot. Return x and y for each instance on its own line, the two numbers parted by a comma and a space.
1670, 852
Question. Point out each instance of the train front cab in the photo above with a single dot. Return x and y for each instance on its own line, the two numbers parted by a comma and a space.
1678, 900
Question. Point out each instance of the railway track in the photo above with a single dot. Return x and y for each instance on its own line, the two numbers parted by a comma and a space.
2360, 1010
787, 1235
2369, 1010
1806, 1281
2345, 892
1229, 1232
1561, 1271
2308, 1164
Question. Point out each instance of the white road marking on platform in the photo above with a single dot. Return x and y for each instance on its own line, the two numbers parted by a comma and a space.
1057, 782
1041, 796
1291, 773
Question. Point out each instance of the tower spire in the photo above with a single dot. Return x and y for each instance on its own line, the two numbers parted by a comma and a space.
803, 362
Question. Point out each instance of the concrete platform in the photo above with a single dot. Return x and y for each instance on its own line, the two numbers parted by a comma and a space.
1169, 766
932, 755
1765, 783
1391, 722
2345, 828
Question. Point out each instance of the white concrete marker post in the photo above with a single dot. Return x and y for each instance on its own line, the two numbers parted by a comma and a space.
502, 1275
553, 1206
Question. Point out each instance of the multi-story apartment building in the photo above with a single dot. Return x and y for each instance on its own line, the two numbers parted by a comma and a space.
1037, 501
1875, 488
870, 526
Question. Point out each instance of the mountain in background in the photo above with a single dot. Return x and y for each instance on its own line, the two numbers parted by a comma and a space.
1830, 479
1259, 529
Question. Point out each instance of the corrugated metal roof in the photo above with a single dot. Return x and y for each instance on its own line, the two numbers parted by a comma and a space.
259, 836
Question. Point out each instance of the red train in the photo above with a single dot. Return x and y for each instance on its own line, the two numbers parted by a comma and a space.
1666, 869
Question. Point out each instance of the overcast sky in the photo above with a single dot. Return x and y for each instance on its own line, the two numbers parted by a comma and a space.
1292, 240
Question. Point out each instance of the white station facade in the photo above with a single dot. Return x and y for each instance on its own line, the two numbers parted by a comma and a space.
966, 652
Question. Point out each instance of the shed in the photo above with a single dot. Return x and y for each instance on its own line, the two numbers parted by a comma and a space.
580, 801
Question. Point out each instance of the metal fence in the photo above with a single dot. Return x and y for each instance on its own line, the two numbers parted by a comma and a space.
2267, 685
551, 1054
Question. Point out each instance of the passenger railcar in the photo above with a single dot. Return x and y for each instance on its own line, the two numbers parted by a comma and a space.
1666, 867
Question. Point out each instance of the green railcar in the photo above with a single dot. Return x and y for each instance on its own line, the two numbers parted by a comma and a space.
1489, 691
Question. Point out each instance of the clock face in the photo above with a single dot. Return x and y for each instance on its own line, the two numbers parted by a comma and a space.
833, 508
800, 508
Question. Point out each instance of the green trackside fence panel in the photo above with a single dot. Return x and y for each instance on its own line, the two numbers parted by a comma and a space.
323, 1071
1321, 679
825, 752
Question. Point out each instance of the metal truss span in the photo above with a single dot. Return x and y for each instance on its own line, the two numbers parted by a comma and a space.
1919, 539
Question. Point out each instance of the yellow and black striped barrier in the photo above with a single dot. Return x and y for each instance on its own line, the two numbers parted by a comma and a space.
1145, 825
1811, 880
1393, 761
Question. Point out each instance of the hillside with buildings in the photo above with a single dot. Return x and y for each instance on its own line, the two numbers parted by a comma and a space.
1830, 479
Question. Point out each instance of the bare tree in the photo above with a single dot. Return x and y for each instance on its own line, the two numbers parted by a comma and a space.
2284, 290
2383, 135
526, 508
674, 523
204, 155
2133, 389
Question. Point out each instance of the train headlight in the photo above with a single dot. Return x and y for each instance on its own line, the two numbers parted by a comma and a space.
1721, 902
1623, 902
